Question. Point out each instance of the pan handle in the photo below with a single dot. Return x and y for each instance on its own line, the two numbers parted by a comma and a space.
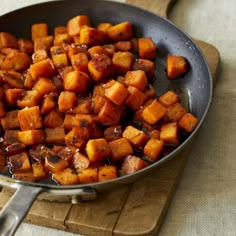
16, 209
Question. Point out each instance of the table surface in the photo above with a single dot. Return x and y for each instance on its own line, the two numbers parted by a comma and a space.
205, 200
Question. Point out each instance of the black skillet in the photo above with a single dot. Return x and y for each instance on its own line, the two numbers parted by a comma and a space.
195, 86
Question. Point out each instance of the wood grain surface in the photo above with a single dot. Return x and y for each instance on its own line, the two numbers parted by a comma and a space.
136, 209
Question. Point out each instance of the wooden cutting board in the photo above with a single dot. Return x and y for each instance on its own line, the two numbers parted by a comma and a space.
136, 209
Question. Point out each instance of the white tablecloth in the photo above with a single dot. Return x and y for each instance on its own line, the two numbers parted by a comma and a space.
205, 201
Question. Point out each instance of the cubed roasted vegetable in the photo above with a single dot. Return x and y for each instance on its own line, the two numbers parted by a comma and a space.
12, 78
89, 175
169, 133
19, 162
113, 132
104, 26
66, 177
71, 139
39, 30
49, 102
153, 149
60, 39
24, 176
60, 60
55, 136
109, 48
135, 98
39, 55
53, 119
39, 171
60, 30
10, 137
145, 65
10, 121
44, 43
66, 101
175, 112
169, 98
80, 161
31, 137
123, 46
54, 163
188, 122
25, 45
80, 61
7, 40
68, 121
29, 98
107, 173
12, 95
83, 106
98, 102
146, 48
96, 50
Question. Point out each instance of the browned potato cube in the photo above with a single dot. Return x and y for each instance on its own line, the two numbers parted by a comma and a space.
19, 162
72, 140
89, 175
49, 102
29, 99
44, 43
98, 149
169, 98
175, 112
107, 172
136, 137
39, 171
39, 30
39, 55
30, 118
66, 177
116, 92
120, 32
109, 48
96, 50
113, 132
74, 24
12, 95
10, 121
31, 137
13, 79
188, 122
98, 103
136, 79
83, 106
104, 26
80, 61
66, 101
44, 86
56, 50
53, 119
146, 48
169, 133
76, 81
7, 40
25, 45
145, 65
24, 176
60, 60
135, 98
154, 112
80, 161
60, 39
153, 149
54, 163
55, 136
120, 148
150, 92
60, 30
68, 121
123, 46
10, 137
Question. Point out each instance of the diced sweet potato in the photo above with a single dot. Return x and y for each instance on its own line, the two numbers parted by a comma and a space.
120, 148
113, 132
7, 40
107, 173
24, 176
176, 66
19, 162
169, 133
146, 48
39, 30
80, 161
98, 149
30, 118
72, 140
76, 81
56, 50
39, 171
55, 136
150, 92
53, 119
25, 45
154, 112
154, 134
48, 103
169, 98
115, 92
54, 163
153, 149
135, 98
60, 30
136, 79
135, 136
83, 106
104, 26
122, 61
123, 46
96, 50
76, 48
145, 65
10, 121
188, 122
10, 137
120, 32
13, 79
100, 66
66, 177
74, 24
131, 164
80, 61
44, 68
68, 121
29, 99
44, 43
12, 95
109, 48
98, 102
60, 39
60, 60
89, 175
39, 55
175, 112
66, 101
31, 137
44, 86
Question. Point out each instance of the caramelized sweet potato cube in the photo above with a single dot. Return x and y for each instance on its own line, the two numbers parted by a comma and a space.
96, 50
55, 136
24, 176
169, 133
29, 99
176, 66
25, 45
98, 149
154, 134
16, 61
89, 175
113, 132
169, 98
76, 48
109, 114
66, 101
76, 81
54, 163
100, 66
74, 24
136, 79
146, 48
116, 92
2, 109
136, 137
57, 50
120, 148
83, 106
68, 121
132, 164
135, 98
7, 40
80, 161
99, 89
120, 32
10, 121
39, 171
98, 103
154, 112
80, 61
104, 26
12, 95
44, 68
31, 137
13, 79
145, 65
10, 137
60, 30
53, 119
44, 43
30, 118
48, 103
175, 112
122, 62
153, 149
109, 48
39, 30
188, 122
60, 39
44, 86
150, 92
72, 140
60, 60
66, 177
107, 172
19, 162
123, 46
39, 55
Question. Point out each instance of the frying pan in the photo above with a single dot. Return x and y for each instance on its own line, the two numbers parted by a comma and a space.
195, 87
